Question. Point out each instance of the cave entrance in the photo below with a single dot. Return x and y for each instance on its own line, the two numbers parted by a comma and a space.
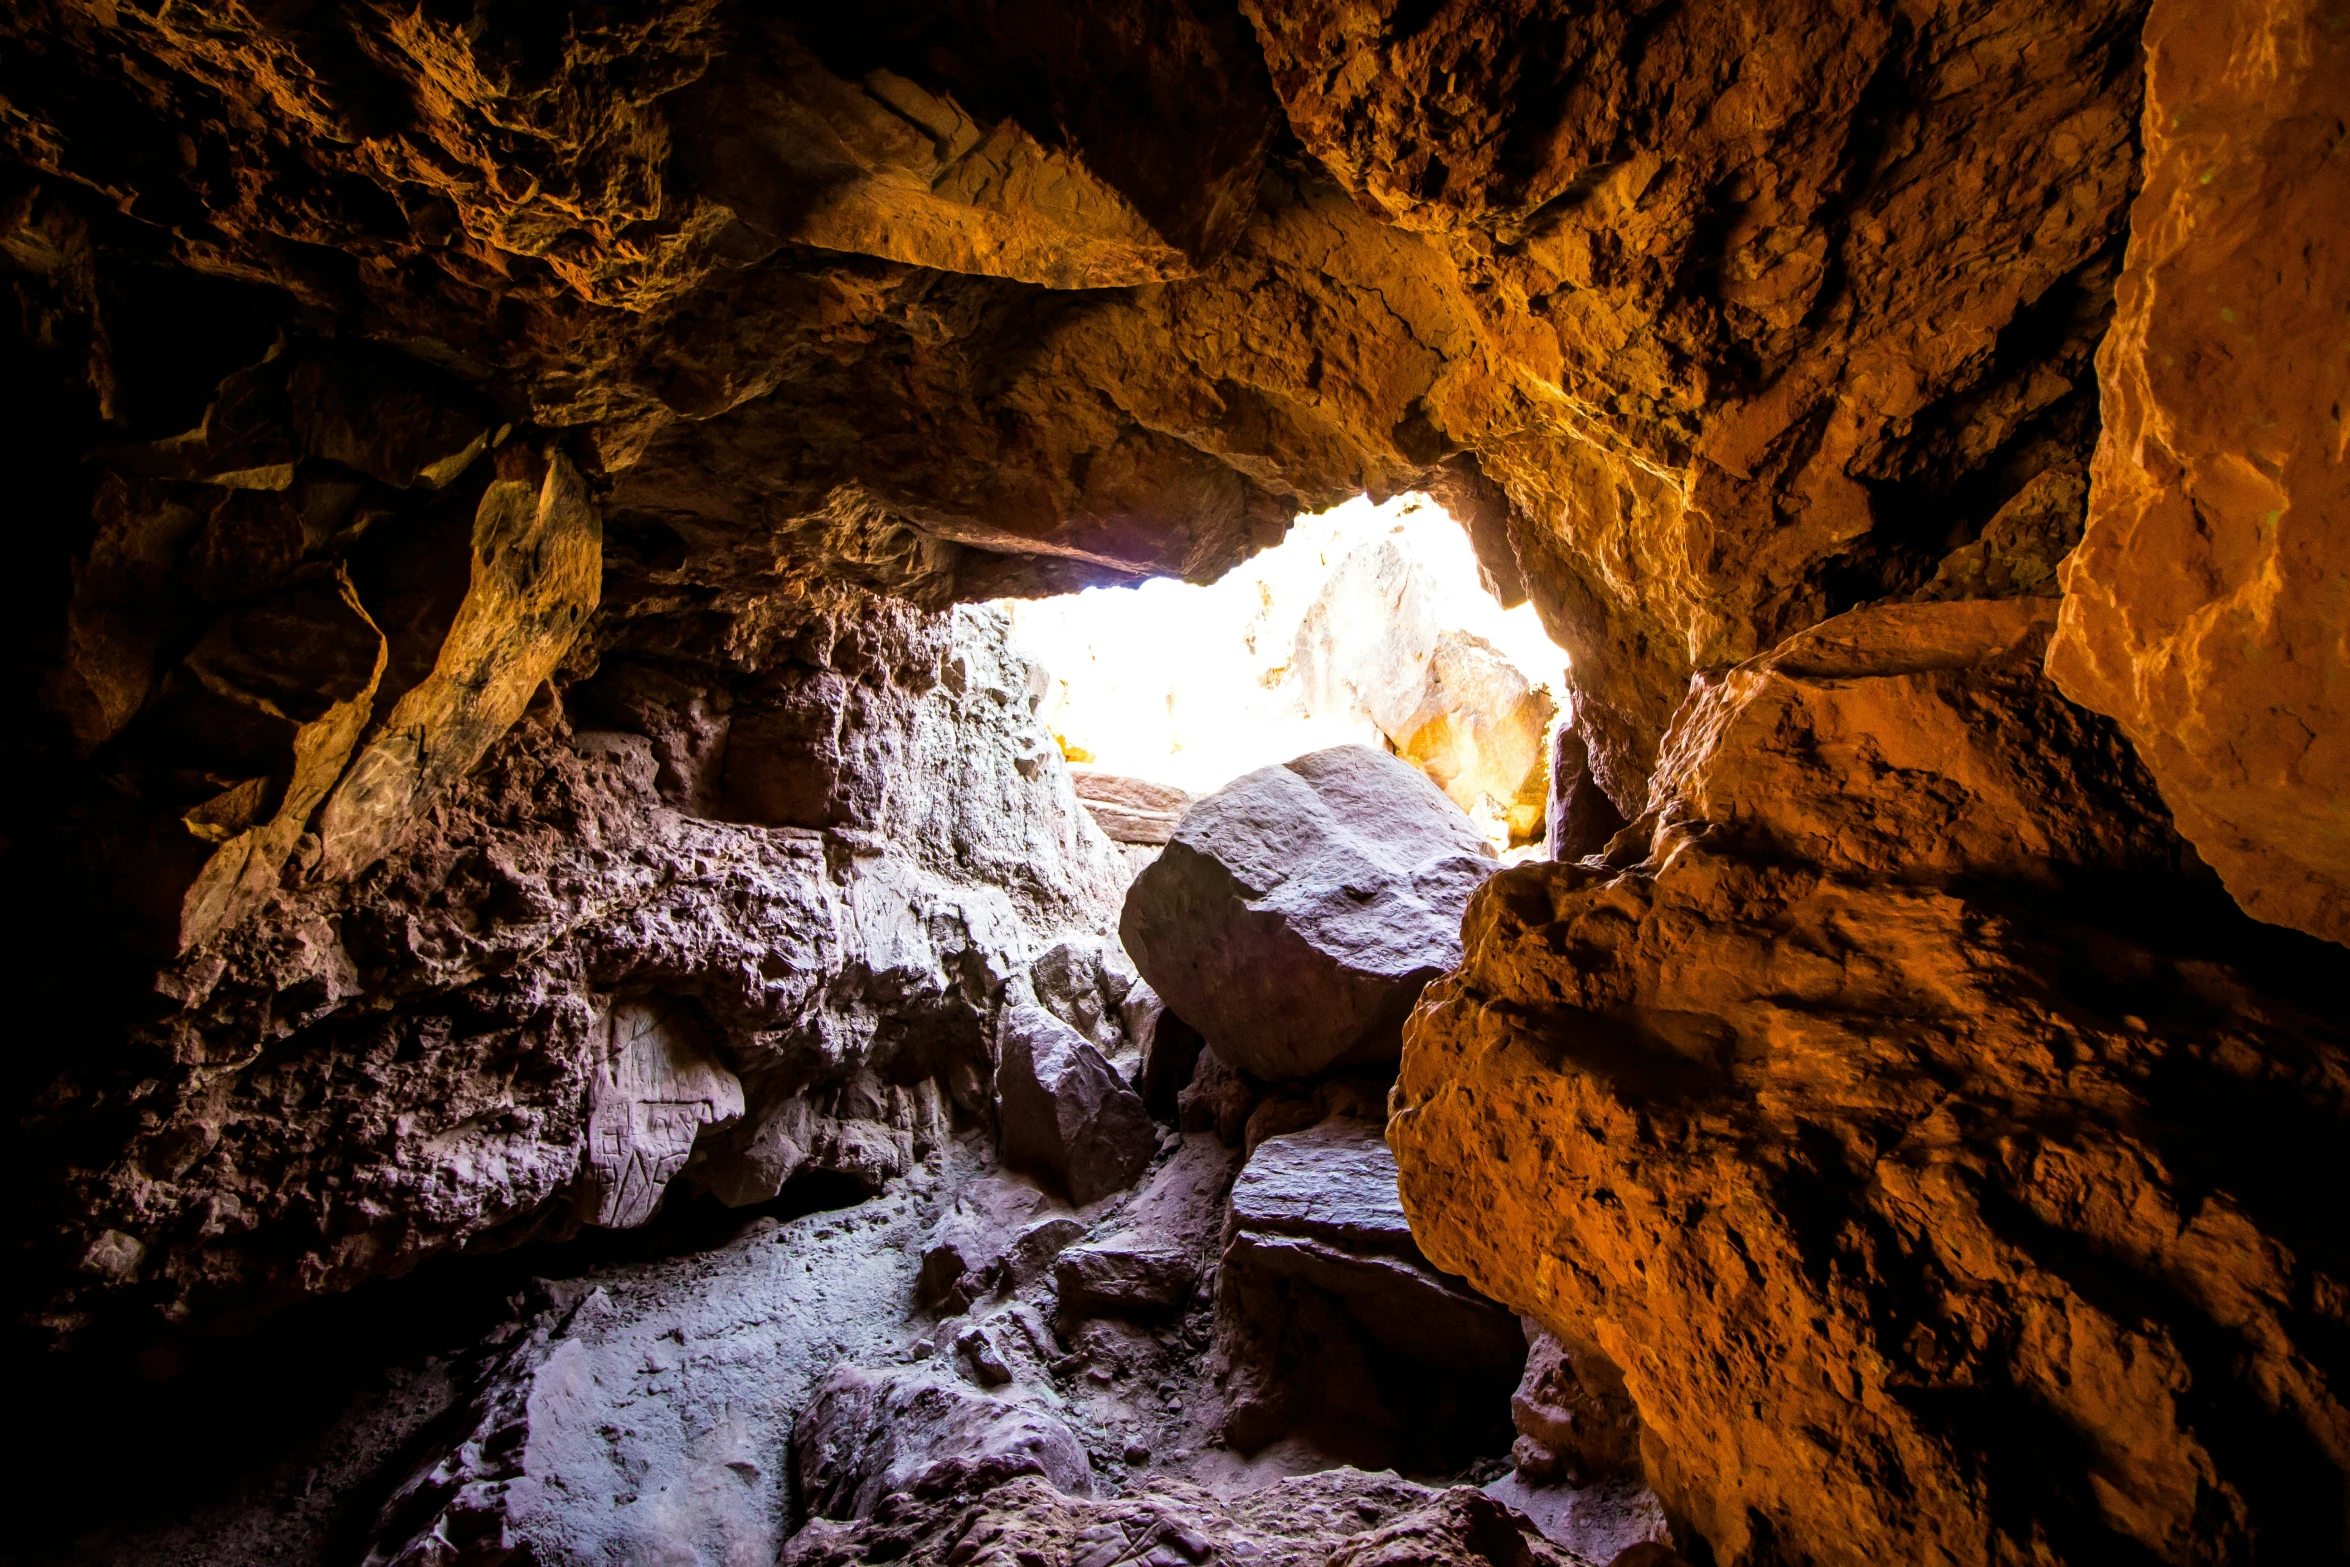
1370, 623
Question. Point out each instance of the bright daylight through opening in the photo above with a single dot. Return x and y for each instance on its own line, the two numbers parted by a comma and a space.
1368, 624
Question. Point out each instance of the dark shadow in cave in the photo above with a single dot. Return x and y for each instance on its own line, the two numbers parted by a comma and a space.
130, 1441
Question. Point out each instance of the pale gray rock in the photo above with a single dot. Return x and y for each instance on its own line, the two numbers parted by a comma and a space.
1063, 1110
870, 1434
646, 1415
1297, 913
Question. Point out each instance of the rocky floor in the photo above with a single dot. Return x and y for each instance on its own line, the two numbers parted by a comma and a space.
637, 1402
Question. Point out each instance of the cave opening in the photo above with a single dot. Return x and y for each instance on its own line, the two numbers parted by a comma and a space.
1367, 624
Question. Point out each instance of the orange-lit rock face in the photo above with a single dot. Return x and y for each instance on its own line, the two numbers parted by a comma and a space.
2208, 608
1947, 1182
1787, 301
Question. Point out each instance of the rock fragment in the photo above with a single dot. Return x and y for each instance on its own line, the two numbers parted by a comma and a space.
871, 1434
1064, 1111
1327, 1312
1131, 810
1297, 911
1125, 1275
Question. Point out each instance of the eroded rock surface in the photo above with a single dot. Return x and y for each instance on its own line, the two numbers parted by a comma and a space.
1297, 911
2206, 608
866, 1435
579, 988
1812, 1121
1342, 1518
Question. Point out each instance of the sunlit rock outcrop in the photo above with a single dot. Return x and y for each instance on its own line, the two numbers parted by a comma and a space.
2208, 609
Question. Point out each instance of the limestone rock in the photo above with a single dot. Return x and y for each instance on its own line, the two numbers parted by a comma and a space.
1131, 810
1298, 910
2204, 609
1802, 1120
1448, 702
1063, 1111
867, 1435
1330, 1317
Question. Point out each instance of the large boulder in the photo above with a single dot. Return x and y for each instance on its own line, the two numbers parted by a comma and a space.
870, 1434
1298, 910
1330, 1319
1947, 1167
1064, 1111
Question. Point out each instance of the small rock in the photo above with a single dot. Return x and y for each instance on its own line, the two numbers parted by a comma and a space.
987, 1362
1123, 1275
1136, 1453
1037, 1246
1064, 1111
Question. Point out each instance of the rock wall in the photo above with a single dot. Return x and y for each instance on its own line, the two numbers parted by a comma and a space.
465, 783
1728, 328
723, 929
2207, 607
1906, 1116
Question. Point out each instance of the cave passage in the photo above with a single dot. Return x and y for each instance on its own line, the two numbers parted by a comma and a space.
1147, 783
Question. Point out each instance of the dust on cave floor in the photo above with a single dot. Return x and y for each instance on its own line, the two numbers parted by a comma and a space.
283, 1444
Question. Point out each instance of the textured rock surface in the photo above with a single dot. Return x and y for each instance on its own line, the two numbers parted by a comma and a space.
867, 1434
454, 1049
649, 1408
1298, 910
1062, 1110
1342, 1518
1331, 1319
1574, 1421
2208, 609
1735, 323
1931, 1149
